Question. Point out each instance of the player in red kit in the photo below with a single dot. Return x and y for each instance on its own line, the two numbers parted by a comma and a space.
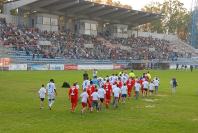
129, 86
133, 84
141, 81
89, 92
90, 89
93, 87
73, 96
108, 89
119, 83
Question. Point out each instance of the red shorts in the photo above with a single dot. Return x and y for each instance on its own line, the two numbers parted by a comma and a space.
73, 99
108, 96
129, 88
107, 101
89, 103
84, 105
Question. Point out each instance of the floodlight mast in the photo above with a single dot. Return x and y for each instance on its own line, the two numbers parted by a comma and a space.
194, 24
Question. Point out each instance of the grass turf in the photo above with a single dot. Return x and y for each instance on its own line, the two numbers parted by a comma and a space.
20, 113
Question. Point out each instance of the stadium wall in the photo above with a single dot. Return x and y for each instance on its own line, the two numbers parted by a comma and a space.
65, 67
169, 37
173, 66
21, 67
62, 67
10, 64
11, 19
45, 22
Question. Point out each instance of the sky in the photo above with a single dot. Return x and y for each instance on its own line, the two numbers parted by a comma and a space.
138, 4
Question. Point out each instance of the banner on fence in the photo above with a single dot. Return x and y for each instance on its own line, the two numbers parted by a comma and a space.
4, 62
90, 67
39, 67
56, 67
6, 68
117, 66
20, 67
70, 67
174, 66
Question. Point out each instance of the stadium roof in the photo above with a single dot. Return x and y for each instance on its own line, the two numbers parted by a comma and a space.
88, 10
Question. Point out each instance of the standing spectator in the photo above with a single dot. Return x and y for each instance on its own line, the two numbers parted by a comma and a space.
174, 85
177, 66
191, 68
33, 56
85, 76
95, 72
185, 67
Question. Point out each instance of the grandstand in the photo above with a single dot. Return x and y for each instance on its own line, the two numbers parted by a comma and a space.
84, 32
74, 11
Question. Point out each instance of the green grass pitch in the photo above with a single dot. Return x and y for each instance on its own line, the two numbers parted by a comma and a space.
20, 113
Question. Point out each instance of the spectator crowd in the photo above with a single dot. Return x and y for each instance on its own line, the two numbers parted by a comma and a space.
74, 46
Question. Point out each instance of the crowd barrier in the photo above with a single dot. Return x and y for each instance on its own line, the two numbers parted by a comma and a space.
18, 67
62, 67
39, 67
174, 66
118, 66
58, 67
70, 67
99, 67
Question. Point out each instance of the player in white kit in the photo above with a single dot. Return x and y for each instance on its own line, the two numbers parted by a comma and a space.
84, 100
101, 92
42, 93
116, 94
51, 91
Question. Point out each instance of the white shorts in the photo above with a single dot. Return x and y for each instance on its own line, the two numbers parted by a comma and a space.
51, 96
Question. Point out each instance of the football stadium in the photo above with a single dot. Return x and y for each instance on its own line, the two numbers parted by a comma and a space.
98, 66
